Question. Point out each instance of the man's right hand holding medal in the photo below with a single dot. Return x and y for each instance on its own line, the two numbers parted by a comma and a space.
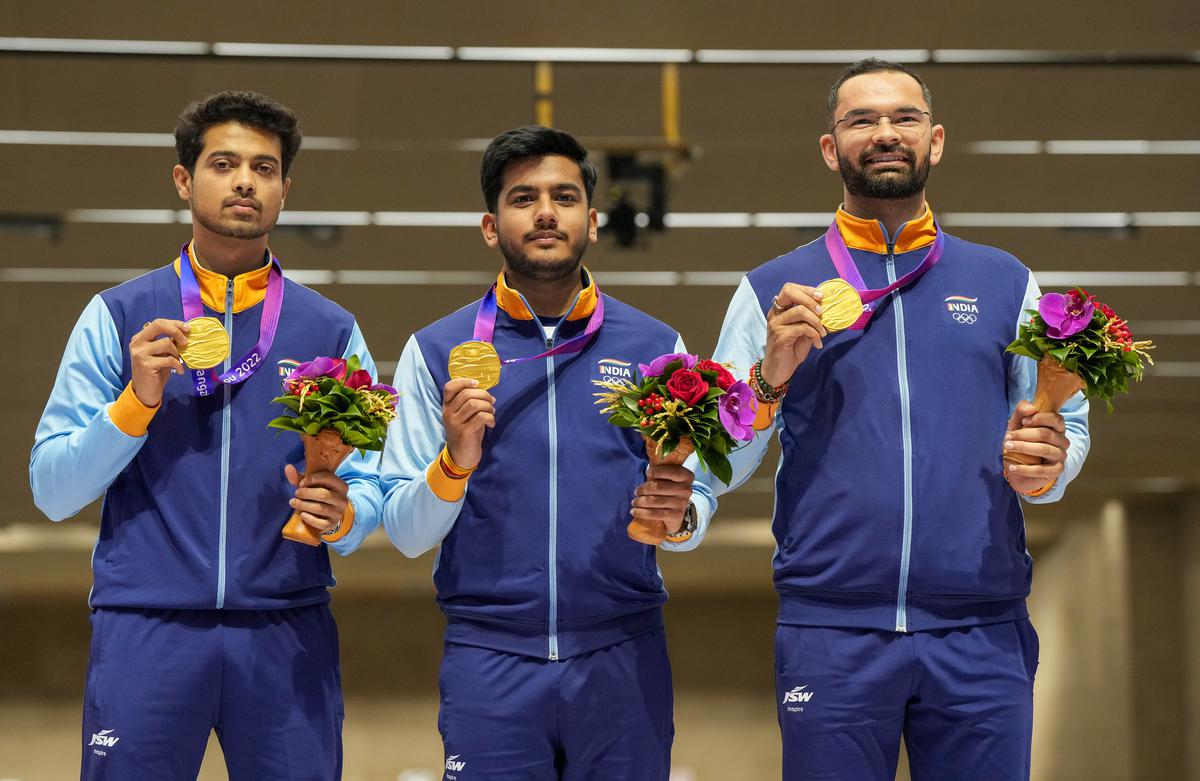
793, 328
467, 410
154, 357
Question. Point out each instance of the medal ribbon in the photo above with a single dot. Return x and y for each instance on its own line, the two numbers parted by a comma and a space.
839, 253
485, 326
204, 380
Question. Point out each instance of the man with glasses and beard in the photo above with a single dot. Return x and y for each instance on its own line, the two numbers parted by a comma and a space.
878, 354
555, 663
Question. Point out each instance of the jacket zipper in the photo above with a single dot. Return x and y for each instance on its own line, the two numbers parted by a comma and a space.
226, 425
906, 439
552, 407
552, 414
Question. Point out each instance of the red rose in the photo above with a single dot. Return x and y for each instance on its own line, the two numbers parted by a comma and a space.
687, 386
725, 380
359, 379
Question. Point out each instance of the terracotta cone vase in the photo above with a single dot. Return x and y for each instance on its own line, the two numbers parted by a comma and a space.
1054, 386
654, 532
324, 452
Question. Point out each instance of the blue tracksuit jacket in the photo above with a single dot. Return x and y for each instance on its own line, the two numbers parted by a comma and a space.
194, 490
891, 508
534, 556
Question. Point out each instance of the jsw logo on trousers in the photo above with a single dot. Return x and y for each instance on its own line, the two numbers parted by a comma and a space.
797, 695
453, 763
104, 738
795, 700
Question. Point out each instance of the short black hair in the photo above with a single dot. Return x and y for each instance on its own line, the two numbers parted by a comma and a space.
247, 108
872, 65
530, 141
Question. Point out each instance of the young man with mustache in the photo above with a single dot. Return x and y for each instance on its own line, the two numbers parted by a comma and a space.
901, 567
203, 617
555, 662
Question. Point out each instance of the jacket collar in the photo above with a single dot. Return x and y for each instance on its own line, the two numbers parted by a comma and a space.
248, 289
513, 303
859, 233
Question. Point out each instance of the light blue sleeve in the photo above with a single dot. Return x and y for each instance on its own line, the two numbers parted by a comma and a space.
742, 341
415, 518
702, 496
78, 451
1022, 385
361, 472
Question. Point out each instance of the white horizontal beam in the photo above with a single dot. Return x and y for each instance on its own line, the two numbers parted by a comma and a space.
332, 51
570, 54
103, 46
677, 220
618, 278
586, 54
807, 56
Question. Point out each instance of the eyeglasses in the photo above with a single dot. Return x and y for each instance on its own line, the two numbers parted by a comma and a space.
909, 123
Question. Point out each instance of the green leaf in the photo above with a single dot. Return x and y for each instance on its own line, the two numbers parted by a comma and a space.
1020, 349
720, 467
286, 424
1061, 353
357, 439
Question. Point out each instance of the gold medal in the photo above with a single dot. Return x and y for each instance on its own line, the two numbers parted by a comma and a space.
208, 343
477, 361
840, 305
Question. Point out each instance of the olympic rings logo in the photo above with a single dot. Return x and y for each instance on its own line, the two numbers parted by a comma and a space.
965, 317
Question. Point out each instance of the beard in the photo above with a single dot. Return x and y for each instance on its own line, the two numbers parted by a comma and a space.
885, 185
543, 270
232, 227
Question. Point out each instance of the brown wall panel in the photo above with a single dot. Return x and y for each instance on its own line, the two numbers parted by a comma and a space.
765, 24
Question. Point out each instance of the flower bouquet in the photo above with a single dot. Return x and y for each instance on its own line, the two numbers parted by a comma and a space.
337, 407
1079, 344
681, 405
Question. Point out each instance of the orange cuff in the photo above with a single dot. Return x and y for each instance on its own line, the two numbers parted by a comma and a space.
344, 527
1043, 489
130, 415
443, 485
765, 417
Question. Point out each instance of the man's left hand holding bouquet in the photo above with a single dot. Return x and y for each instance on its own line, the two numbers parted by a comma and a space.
1040, 435
664, 497
321, 497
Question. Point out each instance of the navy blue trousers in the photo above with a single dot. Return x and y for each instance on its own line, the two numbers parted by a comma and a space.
605, 715
159, 681
962, 699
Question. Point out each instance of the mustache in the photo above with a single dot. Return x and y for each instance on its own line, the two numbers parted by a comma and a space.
544, 234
